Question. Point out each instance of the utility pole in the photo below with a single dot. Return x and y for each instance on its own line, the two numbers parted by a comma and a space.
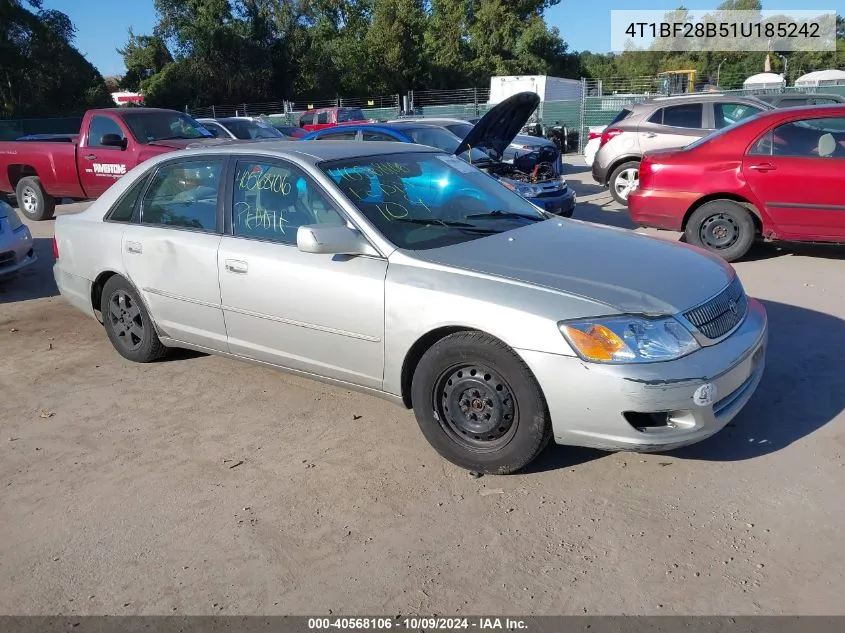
719, 72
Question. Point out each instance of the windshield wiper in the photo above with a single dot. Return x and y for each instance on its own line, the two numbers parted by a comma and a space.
505, 215
423, 221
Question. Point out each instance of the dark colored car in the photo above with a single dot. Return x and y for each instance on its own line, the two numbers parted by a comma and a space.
794, 99
777, 176
322, 118
483, 146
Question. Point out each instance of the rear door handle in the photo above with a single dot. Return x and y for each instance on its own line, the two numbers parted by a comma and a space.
237, 266
762, 167
90, 157
134, 247
649, 134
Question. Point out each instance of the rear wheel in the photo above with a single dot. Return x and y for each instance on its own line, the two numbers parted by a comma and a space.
33, 201
624, 180
723, 227
128, 323
478, 404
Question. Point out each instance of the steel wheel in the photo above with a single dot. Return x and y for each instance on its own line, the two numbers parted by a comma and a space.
719, 231
126, 321
626, 182
29, 199
475, 407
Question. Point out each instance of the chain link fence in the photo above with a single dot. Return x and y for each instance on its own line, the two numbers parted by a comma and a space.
599, 103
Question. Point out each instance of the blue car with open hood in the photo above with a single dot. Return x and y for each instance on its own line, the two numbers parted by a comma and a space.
534, 175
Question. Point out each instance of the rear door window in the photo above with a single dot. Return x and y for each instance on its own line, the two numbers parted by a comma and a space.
184, 195
322, 118
688, 115
808, 138
307, 119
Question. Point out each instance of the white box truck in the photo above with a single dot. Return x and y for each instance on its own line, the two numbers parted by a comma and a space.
549, 88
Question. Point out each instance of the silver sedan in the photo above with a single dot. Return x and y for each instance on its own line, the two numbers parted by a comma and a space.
16, 246
408, 273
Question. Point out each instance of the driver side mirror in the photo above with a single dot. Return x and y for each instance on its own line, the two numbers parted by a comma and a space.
113, 140
332, 239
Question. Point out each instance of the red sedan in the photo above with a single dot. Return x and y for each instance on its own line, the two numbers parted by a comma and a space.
779, 175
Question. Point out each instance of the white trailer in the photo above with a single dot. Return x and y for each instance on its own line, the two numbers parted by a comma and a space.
549, 88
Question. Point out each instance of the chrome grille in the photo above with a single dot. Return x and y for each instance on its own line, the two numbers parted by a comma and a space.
722, 313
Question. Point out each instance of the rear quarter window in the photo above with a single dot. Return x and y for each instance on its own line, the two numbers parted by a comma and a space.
125, 207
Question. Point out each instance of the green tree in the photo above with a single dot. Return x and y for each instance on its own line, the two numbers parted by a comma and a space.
41, 73
143, 56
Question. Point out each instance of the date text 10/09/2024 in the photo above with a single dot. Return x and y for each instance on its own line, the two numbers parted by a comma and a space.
417, 623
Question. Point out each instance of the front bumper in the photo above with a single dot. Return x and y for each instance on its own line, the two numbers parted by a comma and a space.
563, 204
16, 254
660, 209
587, 401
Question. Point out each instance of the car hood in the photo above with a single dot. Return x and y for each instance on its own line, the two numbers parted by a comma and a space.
498, 128
627, 271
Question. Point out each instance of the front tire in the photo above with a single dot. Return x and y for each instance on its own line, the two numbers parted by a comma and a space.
722, 227
128, 323
33, 201
478, 404
623, 180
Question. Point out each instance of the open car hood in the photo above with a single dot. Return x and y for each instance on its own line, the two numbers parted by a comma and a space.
499, 127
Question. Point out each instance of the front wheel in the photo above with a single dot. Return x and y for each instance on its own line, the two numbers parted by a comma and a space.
722, 227
624, 180
478, 404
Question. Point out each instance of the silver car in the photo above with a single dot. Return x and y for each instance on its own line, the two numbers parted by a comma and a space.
405, 272
662, 123
16, 246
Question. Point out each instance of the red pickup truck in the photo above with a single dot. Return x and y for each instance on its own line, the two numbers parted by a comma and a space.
320, 118
110, 142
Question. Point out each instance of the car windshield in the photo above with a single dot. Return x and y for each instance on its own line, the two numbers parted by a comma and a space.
460, 129
245, 129
163, 125
423, 200
291, 131
441, 138
355, 114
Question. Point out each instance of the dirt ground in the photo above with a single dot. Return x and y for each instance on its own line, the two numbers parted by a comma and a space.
199, 485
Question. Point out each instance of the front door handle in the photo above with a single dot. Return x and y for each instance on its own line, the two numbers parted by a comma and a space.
763, 167
134, 248
237, 266
90, 157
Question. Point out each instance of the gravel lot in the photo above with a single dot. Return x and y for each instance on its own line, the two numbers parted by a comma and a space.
199, 485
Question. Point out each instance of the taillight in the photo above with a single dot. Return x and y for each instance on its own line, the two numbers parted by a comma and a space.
594, 135
608, 134
646, 171
55, 249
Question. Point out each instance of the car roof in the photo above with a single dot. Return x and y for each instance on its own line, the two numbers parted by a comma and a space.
136, 110
396, 126
779, 96
433, 120
695, 98
312, 153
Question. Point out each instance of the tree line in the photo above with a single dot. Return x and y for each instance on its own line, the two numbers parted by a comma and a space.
204, 52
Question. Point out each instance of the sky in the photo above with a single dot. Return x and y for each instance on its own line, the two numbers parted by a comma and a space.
584, 24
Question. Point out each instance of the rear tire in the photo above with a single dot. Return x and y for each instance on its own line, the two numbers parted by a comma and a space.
478, 404
128, 323
35, 203
722, 227
622, 181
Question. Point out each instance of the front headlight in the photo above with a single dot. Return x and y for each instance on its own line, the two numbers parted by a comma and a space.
628, 339
528, 191
11, 216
